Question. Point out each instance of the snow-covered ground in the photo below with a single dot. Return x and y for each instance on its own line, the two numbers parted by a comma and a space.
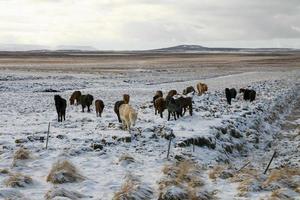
222, 134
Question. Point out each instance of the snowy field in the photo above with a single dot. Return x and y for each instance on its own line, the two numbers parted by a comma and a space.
105, 155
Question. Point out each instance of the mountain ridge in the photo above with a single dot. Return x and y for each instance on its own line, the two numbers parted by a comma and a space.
184, 48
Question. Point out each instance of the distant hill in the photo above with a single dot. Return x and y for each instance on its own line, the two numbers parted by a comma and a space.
198, 48
182, 48
75, 48
175, 49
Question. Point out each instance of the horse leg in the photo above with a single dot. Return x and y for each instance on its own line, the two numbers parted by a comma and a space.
161, 114
123, 124
184, 110
128, 125
118, 114
89, 109
191, 110
169, 115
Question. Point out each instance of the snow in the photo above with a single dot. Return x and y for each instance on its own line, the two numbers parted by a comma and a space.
28, 110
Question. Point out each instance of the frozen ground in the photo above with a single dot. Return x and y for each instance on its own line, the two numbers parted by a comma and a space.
226, 134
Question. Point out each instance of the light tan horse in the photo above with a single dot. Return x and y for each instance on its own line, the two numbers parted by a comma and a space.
201, 87
128, 116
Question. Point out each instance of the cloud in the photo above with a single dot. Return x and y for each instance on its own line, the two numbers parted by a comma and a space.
142, 24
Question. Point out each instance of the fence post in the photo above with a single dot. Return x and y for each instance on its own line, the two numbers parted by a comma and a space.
193, 144
245, 165
169, 147
270, 162
48, 136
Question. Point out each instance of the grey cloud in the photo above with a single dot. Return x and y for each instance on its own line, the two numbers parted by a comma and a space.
141, 24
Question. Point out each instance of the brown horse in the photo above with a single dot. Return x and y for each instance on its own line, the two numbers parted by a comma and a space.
126, 98
75, 96
160, 106
99, 107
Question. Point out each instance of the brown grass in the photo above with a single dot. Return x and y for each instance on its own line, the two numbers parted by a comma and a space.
246, 178
284, 179
275, 194
283, 173
126, 189
22, 154
182, 170
18, 180
216, 171
185, 175
64, 171
280, 194
133, 189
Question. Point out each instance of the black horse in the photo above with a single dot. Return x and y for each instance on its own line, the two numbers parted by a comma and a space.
61, 105
86, 101
230, 93
248, 94
174, 108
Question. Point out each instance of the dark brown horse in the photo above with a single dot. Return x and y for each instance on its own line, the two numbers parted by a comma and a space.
99, 107
125, 100
61, 105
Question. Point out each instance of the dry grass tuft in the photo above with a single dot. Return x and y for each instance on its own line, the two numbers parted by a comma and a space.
284, 179
283, 174
22, 154
61, 192
126, 159
183, 181
275, 195
18, 180
126, 189
203, 195
216, 171
187, 171
64, 172
173, 192
182, 170
281, 194
248, 179
4, 171
133, 189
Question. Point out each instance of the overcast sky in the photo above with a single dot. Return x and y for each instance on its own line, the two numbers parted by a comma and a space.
146, 24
